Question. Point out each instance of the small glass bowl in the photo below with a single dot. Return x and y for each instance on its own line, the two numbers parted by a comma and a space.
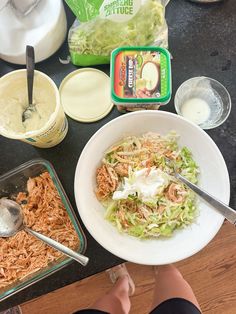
207, 90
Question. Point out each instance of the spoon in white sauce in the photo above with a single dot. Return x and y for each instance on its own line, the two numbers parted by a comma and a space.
30, 65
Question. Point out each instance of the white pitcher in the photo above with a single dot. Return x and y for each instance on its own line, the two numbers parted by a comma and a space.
41, 24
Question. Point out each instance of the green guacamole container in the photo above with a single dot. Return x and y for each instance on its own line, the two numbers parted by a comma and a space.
140, 77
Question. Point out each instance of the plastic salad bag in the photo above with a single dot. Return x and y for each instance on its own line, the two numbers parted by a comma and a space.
103, 25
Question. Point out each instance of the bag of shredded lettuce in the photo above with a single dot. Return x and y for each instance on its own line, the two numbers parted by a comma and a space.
103, 25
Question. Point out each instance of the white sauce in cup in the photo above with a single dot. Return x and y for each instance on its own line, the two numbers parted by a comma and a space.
196, 110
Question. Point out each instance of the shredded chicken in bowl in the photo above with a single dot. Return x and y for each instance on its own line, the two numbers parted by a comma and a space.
136, 185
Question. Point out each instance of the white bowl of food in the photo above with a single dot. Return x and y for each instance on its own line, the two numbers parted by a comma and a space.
130, 202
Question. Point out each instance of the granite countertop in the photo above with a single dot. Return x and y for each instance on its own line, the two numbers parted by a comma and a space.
202, 42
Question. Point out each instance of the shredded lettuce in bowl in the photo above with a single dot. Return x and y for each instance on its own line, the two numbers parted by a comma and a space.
151, 202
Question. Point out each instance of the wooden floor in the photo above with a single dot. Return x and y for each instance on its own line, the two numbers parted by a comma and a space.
211, 273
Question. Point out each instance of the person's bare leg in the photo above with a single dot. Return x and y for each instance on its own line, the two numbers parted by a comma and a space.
171, 284
116, 301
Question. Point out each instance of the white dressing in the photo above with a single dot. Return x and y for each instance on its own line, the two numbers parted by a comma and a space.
196, 110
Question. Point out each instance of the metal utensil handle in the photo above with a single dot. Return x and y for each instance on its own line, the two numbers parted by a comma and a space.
60, 247
222, 208
30, 72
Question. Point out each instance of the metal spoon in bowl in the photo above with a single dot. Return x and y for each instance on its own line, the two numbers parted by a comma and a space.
228, 212
11, 221
30, 64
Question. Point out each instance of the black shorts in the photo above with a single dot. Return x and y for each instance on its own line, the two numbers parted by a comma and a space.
170, 306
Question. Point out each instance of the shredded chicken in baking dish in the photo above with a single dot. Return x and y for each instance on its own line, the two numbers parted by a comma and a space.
44, 212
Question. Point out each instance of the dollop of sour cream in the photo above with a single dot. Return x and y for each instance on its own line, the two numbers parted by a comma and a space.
145, 183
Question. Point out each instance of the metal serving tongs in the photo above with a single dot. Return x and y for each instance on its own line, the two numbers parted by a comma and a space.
228, 212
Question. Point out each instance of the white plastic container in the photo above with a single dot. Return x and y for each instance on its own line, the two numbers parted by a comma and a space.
13, 93
44, 28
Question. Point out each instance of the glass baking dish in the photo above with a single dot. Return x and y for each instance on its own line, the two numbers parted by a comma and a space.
13, 182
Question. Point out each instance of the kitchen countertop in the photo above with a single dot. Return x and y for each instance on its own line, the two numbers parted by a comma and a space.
201, 41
